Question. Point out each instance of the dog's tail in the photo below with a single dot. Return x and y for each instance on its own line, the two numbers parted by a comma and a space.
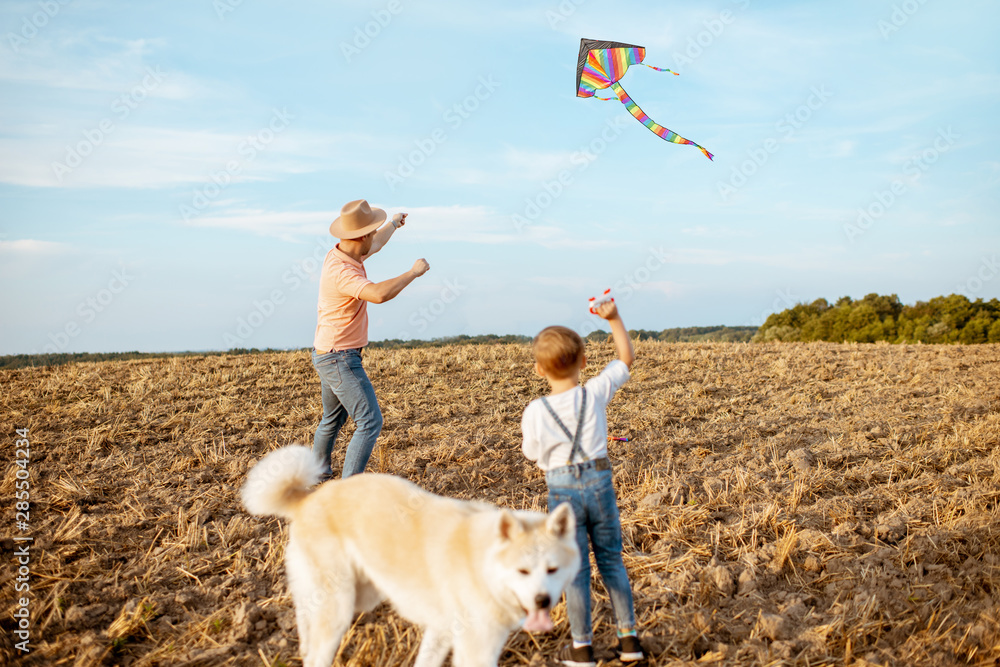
280, 481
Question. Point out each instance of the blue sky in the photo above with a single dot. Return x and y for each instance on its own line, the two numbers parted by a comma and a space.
168, 171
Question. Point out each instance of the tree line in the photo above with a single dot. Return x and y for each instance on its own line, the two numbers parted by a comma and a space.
683, 335
943, 319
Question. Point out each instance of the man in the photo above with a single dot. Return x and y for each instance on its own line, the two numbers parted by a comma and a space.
342, 331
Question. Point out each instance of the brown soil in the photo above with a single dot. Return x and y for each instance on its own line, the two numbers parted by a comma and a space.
795, 504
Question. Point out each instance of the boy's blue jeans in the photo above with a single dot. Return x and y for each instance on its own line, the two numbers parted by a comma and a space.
591, 493
346, 391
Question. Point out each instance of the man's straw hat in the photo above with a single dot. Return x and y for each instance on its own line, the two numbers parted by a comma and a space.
356, 219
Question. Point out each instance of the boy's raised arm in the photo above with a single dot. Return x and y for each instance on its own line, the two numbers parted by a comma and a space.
609, 311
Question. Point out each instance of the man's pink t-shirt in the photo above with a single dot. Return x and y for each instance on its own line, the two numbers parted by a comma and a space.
342, 320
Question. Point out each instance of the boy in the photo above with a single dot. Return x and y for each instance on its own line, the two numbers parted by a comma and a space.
566, 433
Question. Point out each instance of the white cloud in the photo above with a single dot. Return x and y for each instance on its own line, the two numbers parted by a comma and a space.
285, 225
665, 287
533, 165
470, 224
438, 224
89, 62
35, 247
991, 171
481, 224
561, 282
814, 259
133, 156
837, 149
715, 232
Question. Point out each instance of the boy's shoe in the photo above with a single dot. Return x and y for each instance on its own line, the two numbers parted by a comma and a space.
629, 649
577, 657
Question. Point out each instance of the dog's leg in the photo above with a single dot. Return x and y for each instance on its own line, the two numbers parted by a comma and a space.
478, 649
434, 648
303, 587
367, 596
328, 622
324, 596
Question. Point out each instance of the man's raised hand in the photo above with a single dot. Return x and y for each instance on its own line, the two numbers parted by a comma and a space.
420, 267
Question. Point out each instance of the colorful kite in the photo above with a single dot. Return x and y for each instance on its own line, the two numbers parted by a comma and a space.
602, 64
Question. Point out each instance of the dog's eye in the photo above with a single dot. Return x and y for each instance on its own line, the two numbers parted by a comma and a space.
552, 570
524, 572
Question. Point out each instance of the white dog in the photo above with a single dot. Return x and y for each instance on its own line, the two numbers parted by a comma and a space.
467, 573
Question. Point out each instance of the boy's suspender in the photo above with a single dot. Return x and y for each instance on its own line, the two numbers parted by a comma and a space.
574, 438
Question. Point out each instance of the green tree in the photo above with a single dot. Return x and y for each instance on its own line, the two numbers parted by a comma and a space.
943, 319
976, 330
863, 323
994, 333
885, 306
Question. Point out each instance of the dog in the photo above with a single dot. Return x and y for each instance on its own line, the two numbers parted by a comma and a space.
468, 573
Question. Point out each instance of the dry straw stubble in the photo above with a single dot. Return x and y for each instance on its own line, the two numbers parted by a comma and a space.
795, 504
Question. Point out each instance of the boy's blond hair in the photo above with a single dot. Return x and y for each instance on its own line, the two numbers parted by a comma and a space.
558, 351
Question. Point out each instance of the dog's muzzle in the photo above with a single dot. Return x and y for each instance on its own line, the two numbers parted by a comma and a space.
539, 619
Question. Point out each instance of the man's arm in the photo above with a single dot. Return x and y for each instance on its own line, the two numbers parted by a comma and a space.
384, 233
623, 343
389, 289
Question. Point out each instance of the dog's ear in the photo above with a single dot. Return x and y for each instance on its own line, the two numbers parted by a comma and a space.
510, 525
561, 521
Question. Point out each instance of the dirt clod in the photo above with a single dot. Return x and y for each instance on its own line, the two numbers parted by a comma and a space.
772, 626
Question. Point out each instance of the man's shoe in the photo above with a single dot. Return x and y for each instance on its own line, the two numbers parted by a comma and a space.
629, 649
577, 657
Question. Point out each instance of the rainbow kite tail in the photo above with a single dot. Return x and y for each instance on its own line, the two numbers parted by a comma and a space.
661, 69
653, 126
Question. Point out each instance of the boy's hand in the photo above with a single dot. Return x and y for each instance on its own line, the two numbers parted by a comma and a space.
623, 344
607, 310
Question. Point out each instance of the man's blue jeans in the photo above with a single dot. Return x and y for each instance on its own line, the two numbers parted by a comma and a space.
346, 391
592, 495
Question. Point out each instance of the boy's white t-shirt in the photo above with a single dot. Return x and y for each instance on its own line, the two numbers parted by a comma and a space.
545, 443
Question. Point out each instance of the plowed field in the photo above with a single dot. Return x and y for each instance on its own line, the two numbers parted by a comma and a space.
792, 504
